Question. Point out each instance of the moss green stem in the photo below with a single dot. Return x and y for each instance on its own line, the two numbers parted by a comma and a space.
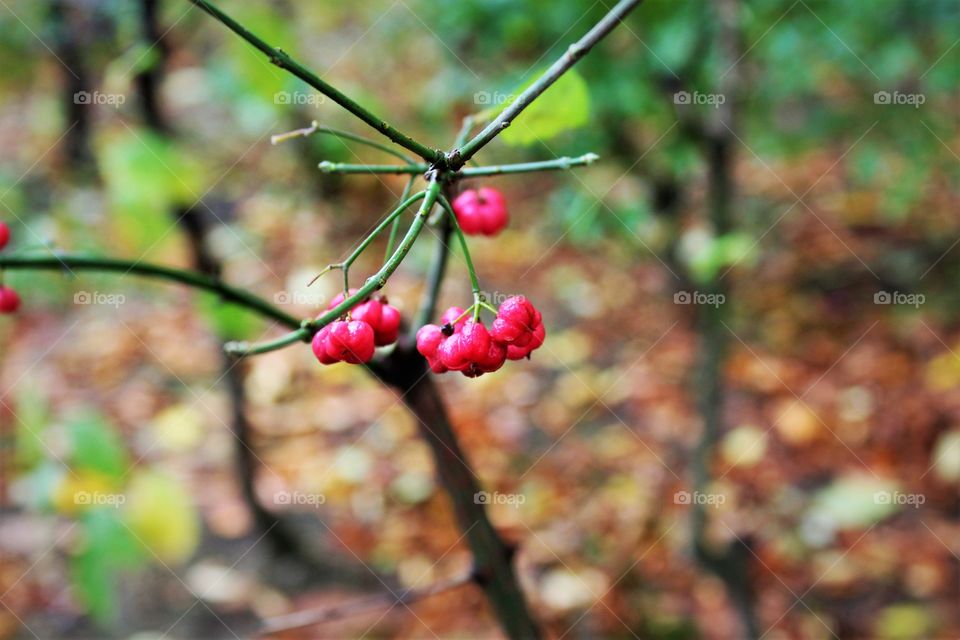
284, 61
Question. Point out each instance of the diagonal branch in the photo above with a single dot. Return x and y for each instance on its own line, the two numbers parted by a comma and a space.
284, 61
58, 261
577, 50
316, 127
375, 282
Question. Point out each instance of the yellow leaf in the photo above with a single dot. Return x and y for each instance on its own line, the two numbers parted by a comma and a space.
178, 428
83, 489
161, 515
745, 446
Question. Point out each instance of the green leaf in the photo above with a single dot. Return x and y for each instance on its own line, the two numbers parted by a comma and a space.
32, 420
107, 547
563, 106
147, 178
229, 321
719, 253
97, 447
92, 578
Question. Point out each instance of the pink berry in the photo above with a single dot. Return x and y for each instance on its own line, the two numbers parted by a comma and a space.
474, 341
383, 318
473, 350
9, 300
389, 327
481, 211
483, 354
350, 341
451, 354
319, 346
519, 326
515, 352
4, 234
429, 339
370, 312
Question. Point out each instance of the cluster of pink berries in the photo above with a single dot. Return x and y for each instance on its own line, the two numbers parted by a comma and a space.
373, 323
459, 343
465, 345
9, 299
481, 212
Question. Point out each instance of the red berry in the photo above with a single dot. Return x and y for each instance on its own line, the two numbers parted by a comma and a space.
519, 326
515, 352
370, 312
351, 341
389, 327
474, 340
452, 355
319, 346
9, 300
429, 338
470, 348
4, 234
383, 318
481, 211
483, 354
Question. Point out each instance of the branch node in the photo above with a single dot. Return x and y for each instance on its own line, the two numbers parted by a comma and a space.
234, 348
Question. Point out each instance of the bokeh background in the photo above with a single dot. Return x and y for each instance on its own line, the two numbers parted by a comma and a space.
826, 372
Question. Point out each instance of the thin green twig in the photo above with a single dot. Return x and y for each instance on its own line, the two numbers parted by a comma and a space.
558, 164
461, 153
284, 61
474, 281
393, 215
395, 169
240, 297
373, 283
315, 127
392, 238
